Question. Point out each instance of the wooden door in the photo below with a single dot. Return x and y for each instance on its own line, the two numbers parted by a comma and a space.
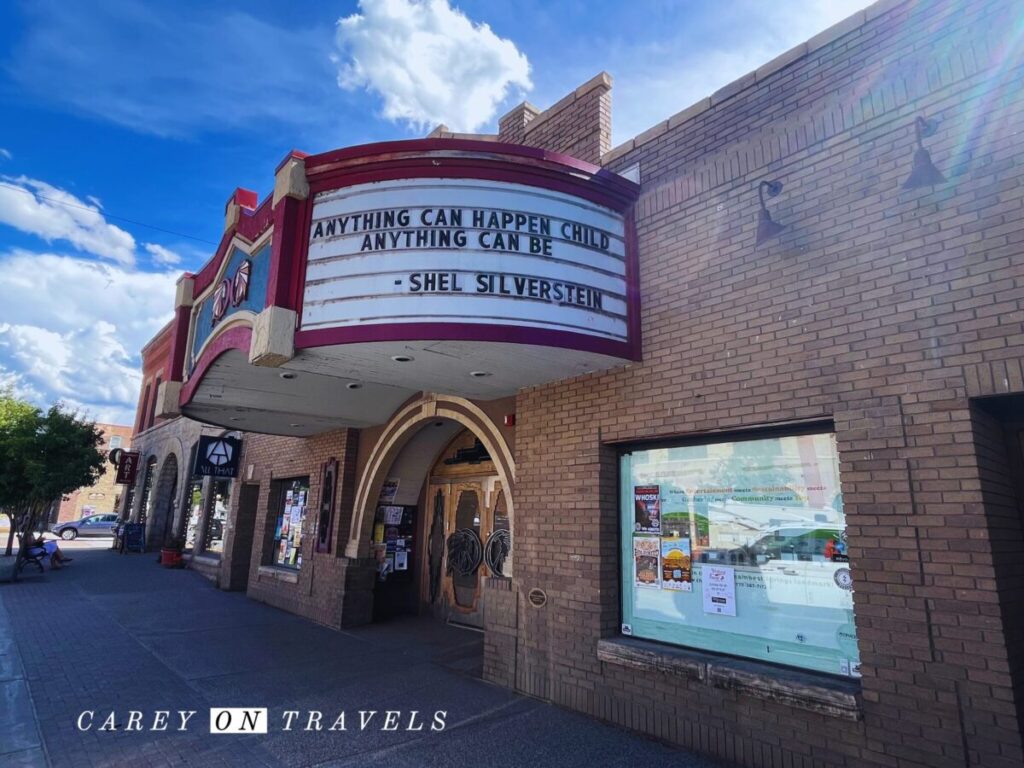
460, 501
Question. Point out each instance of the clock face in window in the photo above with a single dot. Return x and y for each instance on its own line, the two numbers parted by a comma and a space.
843, 579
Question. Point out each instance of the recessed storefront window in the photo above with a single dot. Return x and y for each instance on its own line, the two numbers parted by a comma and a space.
213, 542
194, 500
147, 490
291, 517
740, 548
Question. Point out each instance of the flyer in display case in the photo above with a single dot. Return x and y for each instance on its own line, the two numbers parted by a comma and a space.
646, 556
647, 506
676, 565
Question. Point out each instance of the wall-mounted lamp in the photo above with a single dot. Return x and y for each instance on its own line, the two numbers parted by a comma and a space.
924, 173
766, 228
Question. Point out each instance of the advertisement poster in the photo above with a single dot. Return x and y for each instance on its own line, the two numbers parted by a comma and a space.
389, 490
646, 551
647, 503
401, 561
676, 571
719, 585
393, 515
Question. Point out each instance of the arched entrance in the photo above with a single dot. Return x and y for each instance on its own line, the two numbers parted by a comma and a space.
165, 503
434, 511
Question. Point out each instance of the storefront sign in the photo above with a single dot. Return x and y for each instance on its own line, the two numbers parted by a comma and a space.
127, 467
218, 456
459, 250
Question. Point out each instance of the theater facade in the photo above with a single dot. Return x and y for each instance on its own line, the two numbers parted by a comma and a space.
715, 434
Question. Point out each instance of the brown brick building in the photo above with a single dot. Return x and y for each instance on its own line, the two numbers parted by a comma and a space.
104, 494
749, 489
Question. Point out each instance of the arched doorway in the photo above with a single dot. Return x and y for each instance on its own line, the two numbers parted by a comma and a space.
440, 521
165, 503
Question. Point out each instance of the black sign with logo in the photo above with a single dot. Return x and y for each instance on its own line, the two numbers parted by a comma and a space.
218, 456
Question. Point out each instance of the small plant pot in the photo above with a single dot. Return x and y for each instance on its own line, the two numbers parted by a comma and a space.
170, 558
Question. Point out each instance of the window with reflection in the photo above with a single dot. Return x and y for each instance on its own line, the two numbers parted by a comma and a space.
194, 511
217, 516
739, 547
147, 490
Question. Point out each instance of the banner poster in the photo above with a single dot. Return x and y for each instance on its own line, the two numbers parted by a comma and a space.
676, 571
646, 553
647, 503
719, 587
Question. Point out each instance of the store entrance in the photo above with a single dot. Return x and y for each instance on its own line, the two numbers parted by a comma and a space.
434, 555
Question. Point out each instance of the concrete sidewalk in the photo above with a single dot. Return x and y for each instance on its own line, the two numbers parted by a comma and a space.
117, 633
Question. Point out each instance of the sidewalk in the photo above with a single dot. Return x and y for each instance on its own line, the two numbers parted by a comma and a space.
117, 633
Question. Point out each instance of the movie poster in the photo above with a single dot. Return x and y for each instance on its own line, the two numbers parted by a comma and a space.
676, 571
646, 553
647, 503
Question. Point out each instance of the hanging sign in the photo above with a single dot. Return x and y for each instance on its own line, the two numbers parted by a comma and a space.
218, 456
127, 466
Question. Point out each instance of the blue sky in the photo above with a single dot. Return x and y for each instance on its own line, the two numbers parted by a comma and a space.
126, 125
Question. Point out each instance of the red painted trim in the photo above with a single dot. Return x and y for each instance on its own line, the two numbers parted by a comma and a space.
251, 224
322, 337
603, 188
419, 146
633, 285
296, 154
179, 344
238, 337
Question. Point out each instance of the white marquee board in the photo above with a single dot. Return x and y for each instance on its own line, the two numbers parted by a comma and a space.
465, 251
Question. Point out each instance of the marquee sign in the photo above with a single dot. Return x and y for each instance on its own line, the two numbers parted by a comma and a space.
465, 251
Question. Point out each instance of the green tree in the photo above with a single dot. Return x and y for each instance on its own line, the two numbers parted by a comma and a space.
43, 456
18, 424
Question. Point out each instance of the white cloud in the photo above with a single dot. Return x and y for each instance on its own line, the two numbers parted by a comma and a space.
429, 63
40, 209
72, 330
5, 153
161, 255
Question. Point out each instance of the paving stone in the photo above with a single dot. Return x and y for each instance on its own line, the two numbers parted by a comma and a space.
121, 634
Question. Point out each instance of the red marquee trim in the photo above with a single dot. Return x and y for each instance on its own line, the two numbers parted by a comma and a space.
509, 334
236, 337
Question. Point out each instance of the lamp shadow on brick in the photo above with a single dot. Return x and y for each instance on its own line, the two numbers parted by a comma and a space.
766, 227
923, 173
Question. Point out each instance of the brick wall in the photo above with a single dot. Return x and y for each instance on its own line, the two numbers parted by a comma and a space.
328, 588
872, 309
101, 495
578, 125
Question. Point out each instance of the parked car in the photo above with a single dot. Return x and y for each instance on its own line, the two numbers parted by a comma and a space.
92, 525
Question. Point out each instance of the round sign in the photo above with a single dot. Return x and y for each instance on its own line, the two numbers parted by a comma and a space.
114, 457
843, 579
538, 597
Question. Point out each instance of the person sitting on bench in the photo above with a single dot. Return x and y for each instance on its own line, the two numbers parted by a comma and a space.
38, 548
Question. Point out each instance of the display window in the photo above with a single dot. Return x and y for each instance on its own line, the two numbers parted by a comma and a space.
291, 518
740, 547
213, 542
147, 490
194, 502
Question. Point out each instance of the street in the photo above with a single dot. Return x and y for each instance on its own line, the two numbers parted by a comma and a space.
115, 634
